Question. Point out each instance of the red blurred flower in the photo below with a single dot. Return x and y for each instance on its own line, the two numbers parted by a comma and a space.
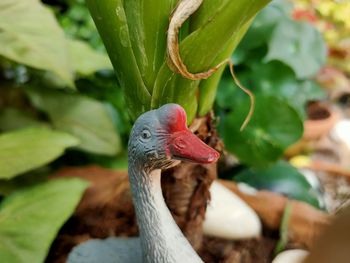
305, 15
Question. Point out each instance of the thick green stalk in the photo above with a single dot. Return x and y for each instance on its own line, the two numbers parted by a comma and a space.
134, 33
148, 22
208, 87
199, 50
217, 30
111, 22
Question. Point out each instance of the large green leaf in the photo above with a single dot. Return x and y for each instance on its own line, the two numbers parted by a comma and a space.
31, 218
26, 149
78, 24
12, 119
228, 94
30, 35
85, 118
274, 79
304, 49
85, 60
274, 126
281, 178
260, 32
103, 86
24, 180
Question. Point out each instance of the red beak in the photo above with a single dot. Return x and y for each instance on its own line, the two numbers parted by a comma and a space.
184, 145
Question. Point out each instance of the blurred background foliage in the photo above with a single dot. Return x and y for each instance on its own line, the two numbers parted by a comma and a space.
332, 19
277, 60
65, 106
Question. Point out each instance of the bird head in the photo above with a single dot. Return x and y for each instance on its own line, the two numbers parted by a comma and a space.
160, 137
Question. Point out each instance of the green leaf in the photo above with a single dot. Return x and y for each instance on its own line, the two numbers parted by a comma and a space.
274, 126
281, 178
272, 79
260, 32
30, 35
85, 60
78, 24
228, 94
103, 86
12, 119
24, 180
303, 48
85, 118
26, 149
277, 79
31, 218
283, 241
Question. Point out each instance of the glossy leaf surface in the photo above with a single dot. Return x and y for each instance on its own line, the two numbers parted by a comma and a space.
31, 218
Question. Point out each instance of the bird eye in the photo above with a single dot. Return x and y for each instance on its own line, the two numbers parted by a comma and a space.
145, 134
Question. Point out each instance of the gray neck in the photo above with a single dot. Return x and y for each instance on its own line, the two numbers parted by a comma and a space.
161, 239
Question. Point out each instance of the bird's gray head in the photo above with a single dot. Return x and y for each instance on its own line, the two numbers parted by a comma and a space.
160, 136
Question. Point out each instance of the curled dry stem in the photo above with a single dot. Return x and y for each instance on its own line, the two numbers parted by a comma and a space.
181, 13
248, 92
196, 124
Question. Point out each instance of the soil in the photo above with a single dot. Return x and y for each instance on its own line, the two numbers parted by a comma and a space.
245, 251
317, 111
344, 99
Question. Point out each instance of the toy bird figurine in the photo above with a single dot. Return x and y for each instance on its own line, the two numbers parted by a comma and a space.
159, 139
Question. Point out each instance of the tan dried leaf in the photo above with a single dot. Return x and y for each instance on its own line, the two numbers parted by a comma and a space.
181, 13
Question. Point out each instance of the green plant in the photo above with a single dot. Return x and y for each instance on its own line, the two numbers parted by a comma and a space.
60, 101
42, 117
281, 178
277, 59
61, 104
332, 19
137, 48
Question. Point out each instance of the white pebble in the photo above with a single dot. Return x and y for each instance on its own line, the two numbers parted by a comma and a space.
228, 216
291, 256
341, 132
